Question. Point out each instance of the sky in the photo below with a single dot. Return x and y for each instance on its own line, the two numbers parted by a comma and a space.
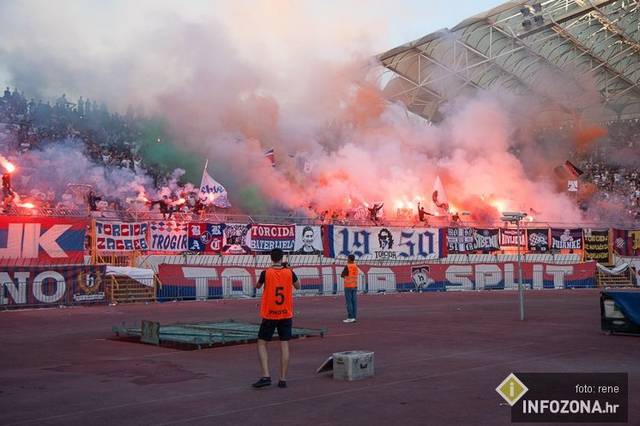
268, 33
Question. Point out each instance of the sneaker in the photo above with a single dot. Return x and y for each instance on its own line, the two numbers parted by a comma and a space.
349, 320
282, 383
264, 381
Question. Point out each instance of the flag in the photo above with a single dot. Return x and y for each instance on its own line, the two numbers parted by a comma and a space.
439, 197
269, 155
572, 169
212, 192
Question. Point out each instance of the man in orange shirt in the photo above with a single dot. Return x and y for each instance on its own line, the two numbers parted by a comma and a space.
276, 310
350, 276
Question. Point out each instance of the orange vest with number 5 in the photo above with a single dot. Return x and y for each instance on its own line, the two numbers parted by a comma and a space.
277, 295
351, 280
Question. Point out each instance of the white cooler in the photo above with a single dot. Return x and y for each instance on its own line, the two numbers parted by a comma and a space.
352, 365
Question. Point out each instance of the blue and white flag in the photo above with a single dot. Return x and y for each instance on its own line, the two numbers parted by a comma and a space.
212, 192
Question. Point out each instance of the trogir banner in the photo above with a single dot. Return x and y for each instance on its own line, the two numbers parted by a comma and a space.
168, 236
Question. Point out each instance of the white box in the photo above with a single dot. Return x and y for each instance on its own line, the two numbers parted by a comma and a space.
352, 365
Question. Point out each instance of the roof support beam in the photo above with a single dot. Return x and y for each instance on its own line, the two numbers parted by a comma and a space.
603, 63
611, 25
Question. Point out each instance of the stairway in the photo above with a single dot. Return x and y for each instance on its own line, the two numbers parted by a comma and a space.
126, 290
614, 281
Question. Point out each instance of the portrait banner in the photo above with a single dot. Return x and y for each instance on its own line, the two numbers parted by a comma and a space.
308, 240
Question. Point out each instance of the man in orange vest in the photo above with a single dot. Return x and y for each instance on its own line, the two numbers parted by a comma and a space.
350, 276
276, 310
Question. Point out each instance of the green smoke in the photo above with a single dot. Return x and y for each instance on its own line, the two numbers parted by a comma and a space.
251, 200
161, 151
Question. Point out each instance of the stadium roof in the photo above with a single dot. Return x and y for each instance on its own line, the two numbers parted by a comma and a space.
581, 56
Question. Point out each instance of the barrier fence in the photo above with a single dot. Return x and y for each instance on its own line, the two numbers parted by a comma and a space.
242, 286
81, 285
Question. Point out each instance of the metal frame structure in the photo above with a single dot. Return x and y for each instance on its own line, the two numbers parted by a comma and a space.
580, 57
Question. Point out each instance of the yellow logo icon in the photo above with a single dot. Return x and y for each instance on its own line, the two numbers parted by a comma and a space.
511, 389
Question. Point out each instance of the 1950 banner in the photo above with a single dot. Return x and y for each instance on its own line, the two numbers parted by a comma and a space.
385, 242
41, 240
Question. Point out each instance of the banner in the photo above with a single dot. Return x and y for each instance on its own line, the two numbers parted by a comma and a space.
566, 239
504, 275
52, 285
486, 239
200, 282
40, 240
168, 236
265, 238
308, 240
509, 237
538, 239
385, 242
626, 242
421, 277
121, 236
205, 237
196, 281
596, 245
236, 239
460, 240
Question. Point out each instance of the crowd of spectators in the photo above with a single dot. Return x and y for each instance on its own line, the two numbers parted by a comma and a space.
612, 169
110, 139
614, 184
114, 141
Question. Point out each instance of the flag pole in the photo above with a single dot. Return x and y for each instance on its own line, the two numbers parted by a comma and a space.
206, 164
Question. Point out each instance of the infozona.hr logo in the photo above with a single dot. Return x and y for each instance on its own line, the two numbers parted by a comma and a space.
511, 389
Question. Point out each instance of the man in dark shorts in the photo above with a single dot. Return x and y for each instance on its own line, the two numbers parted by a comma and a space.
276, 310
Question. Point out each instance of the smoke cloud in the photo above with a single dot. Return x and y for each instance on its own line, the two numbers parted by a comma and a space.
268, 76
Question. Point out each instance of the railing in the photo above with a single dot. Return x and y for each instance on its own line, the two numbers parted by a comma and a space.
221, 217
